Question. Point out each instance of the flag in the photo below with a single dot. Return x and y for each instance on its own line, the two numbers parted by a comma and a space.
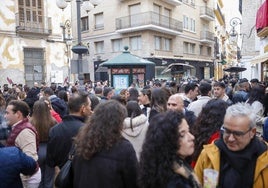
262, 17
9, 80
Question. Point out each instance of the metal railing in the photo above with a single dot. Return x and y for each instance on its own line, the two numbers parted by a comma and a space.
39, 25
207, 35
148, 18
207, 11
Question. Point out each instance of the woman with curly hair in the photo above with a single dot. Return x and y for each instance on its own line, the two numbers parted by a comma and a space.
207, 126
103, 157
167, 144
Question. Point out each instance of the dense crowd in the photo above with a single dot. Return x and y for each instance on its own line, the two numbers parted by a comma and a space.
193, 134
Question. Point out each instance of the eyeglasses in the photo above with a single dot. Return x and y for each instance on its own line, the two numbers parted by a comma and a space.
236, 134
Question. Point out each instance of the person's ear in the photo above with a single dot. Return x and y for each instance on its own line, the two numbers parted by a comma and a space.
253, 132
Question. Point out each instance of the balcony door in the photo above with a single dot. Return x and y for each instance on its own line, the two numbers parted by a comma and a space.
31, 14
134, 10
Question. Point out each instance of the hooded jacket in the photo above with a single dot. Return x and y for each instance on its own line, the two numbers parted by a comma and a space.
210, 158
136, 135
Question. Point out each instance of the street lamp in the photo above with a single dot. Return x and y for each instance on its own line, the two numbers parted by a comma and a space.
79, 48
233, 33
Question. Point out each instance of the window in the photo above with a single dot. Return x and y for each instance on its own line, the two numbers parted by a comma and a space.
31, 11
99, 47
209, 51
117, 45
162, 43
193, 3
167, 44
201, 48
188, 48
84, 23
99, 21
135, 43
188, 23
192, 48
185, 22
192, 25
157, 43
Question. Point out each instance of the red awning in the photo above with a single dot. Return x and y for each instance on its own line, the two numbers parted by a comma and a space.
262, 16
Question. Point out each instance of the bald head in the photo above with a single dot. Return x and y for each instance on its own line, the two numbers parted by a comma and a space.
175, 103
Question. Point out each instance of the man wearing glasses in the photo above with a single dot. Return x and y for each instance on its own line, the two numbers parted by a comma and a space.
239, 158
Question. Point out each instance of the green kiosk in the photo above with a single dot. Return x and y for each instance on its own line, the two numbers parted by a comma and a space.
126, 69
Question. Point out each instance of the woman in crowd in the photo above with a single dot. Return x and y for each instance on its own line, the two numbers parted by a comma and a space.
42, 120
158, 102
135, 126
167, 144
133, 94
103, 157
207, 126
256, 101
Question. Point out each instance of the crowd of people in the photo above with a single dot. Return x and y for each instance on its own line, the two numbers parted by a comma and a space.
194, 134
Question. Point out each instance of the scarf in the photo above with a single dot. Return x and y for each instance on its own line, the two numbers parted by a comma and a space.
182, 168
237, 168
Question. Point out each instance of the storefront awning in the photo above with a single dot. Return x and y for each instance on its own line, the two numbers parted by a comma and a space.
259, 59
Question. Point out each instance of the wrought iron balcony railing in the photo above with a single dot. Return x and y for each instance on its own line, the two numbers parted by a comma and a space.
40, 25
149, 20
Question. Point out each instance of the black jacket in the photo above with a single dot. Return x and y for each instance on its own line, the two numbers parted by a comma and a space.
113, 168
60, 140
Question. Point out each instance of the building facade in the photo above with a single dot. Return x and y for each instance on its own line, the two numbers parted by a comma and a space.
162, 31
32, 48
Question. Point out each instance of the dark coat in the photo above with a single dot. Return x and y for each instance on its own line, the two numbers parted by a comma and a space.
113, 168
60, 140
13, 162
177, 181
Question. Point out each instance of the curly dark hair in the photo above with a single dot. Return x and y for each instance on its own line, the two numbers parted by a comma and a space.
207, 123
103, 129
159, 150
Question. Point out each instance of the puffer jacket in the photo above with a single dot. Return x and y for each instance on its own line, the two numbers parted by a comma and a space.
210, 158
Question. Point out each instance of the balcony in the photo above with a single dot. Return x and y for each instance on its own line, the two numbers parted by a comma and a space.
207, 13
42, 27
173, 2
148, 21
206, 37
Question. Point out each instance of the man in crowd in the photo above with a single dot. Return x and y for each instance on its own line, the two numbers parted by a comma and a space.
243, 91
190, 93
61, 135
205, 92
175, 103
239, 157
13, 162
24, 136
108, 93
219, 92
57, 103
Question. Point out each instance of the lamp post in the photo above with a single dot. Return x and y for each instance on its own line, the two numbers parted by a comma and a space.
79, 48
66, 27
233, 33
